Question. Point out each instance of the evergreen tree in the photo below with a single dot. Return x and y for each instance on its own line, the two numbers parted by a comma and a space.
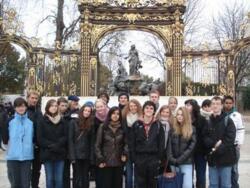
12, 70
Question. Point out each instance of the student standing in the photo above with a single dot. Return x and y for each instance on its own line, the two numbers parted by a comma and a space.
181, 145
219, 136
35, 114
18, 134
199, 122
52, 138
111, 149
165, 117
147, 147
81, 146
3, 120
64, 111
230, 110
101, 112
131, 113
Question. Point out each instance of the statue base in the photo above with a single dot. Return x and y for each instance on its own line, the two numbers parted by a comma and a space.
134, 83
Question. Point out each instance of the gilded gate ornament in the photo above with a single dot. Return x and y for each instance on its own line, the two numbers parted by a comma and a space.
102, 17
189, 89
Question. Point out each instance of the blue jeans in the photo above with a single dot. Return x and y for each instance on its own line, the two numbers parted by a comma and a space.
200, 168
130, 174
19, 173
187, 170
235, 172
220, 177
54, 174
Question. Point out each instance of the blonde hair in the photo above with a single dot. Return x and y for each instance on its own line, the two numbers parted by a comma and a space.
170, 98
185, 129
32, 92
126, 110
158, 115
101, 101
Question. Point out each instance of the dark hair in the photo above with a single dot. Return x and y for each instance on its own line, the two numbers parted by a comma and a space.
228, 97
85, 123
123, 94
48, 105
149, 103
196, 108
217, 98
206, 103
103, 94
61, 100
111, 111
20, 102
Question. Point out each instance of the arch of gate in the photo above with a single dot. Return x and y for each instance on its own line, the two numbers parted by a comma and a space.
164, 19
31, 58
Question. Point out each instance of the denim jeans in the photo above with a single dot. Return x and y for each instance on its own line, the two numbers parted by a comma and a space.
220, 177
19, 173
200, 168
235, 172
187, 170
130, 174
54, 174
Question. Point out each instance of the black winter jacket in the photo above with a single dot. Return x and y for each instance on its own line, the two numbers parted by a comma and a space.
217, 130
110, 146
199, 125
80, 143
35, 115
3, 117
128, 134
52, 139
180, 150
153, 144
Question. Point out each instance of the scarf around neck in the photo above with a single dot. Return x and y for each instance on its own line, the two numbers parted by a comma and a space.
114, 126
103, 116
54, 120
131, 118
205, 114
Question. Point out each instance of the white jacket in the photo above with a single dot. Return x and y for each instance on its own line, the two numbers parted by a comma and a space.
240, 128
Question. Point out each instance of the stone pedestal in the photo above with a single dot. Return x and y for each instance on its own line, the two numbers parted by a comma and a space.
134, 83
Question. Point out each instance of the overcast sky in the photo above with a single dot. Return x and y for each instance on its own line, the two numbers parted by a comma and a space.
32, 11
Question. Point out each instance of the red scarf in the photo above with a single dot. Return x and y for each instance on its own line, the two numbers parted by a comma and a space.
147, 126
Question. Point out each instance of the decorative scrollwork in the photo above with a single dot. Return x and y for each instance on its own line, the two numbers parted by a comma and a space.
189, 89
133, 3
131, 17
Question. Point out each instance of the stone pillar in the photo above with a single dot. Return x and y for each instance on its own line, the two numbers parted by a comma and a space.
177, 46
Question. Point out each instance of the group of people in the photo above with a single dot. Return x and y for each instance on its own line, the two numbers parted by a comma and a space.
138, 141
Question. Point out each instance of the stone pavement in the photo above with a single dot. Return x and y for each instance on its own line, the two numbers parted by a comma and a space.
244, 165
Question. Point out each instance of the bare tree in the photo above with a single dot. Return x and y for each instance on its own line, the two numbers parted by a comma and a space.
156, 50
109, 50
227, 27
192, 20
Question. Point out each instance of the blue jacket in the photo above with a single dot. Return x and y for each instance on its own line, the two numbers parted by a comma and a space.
19, 135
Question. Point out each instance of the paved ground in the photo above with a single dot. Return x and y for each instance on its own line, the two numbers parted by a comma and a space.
244, 166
